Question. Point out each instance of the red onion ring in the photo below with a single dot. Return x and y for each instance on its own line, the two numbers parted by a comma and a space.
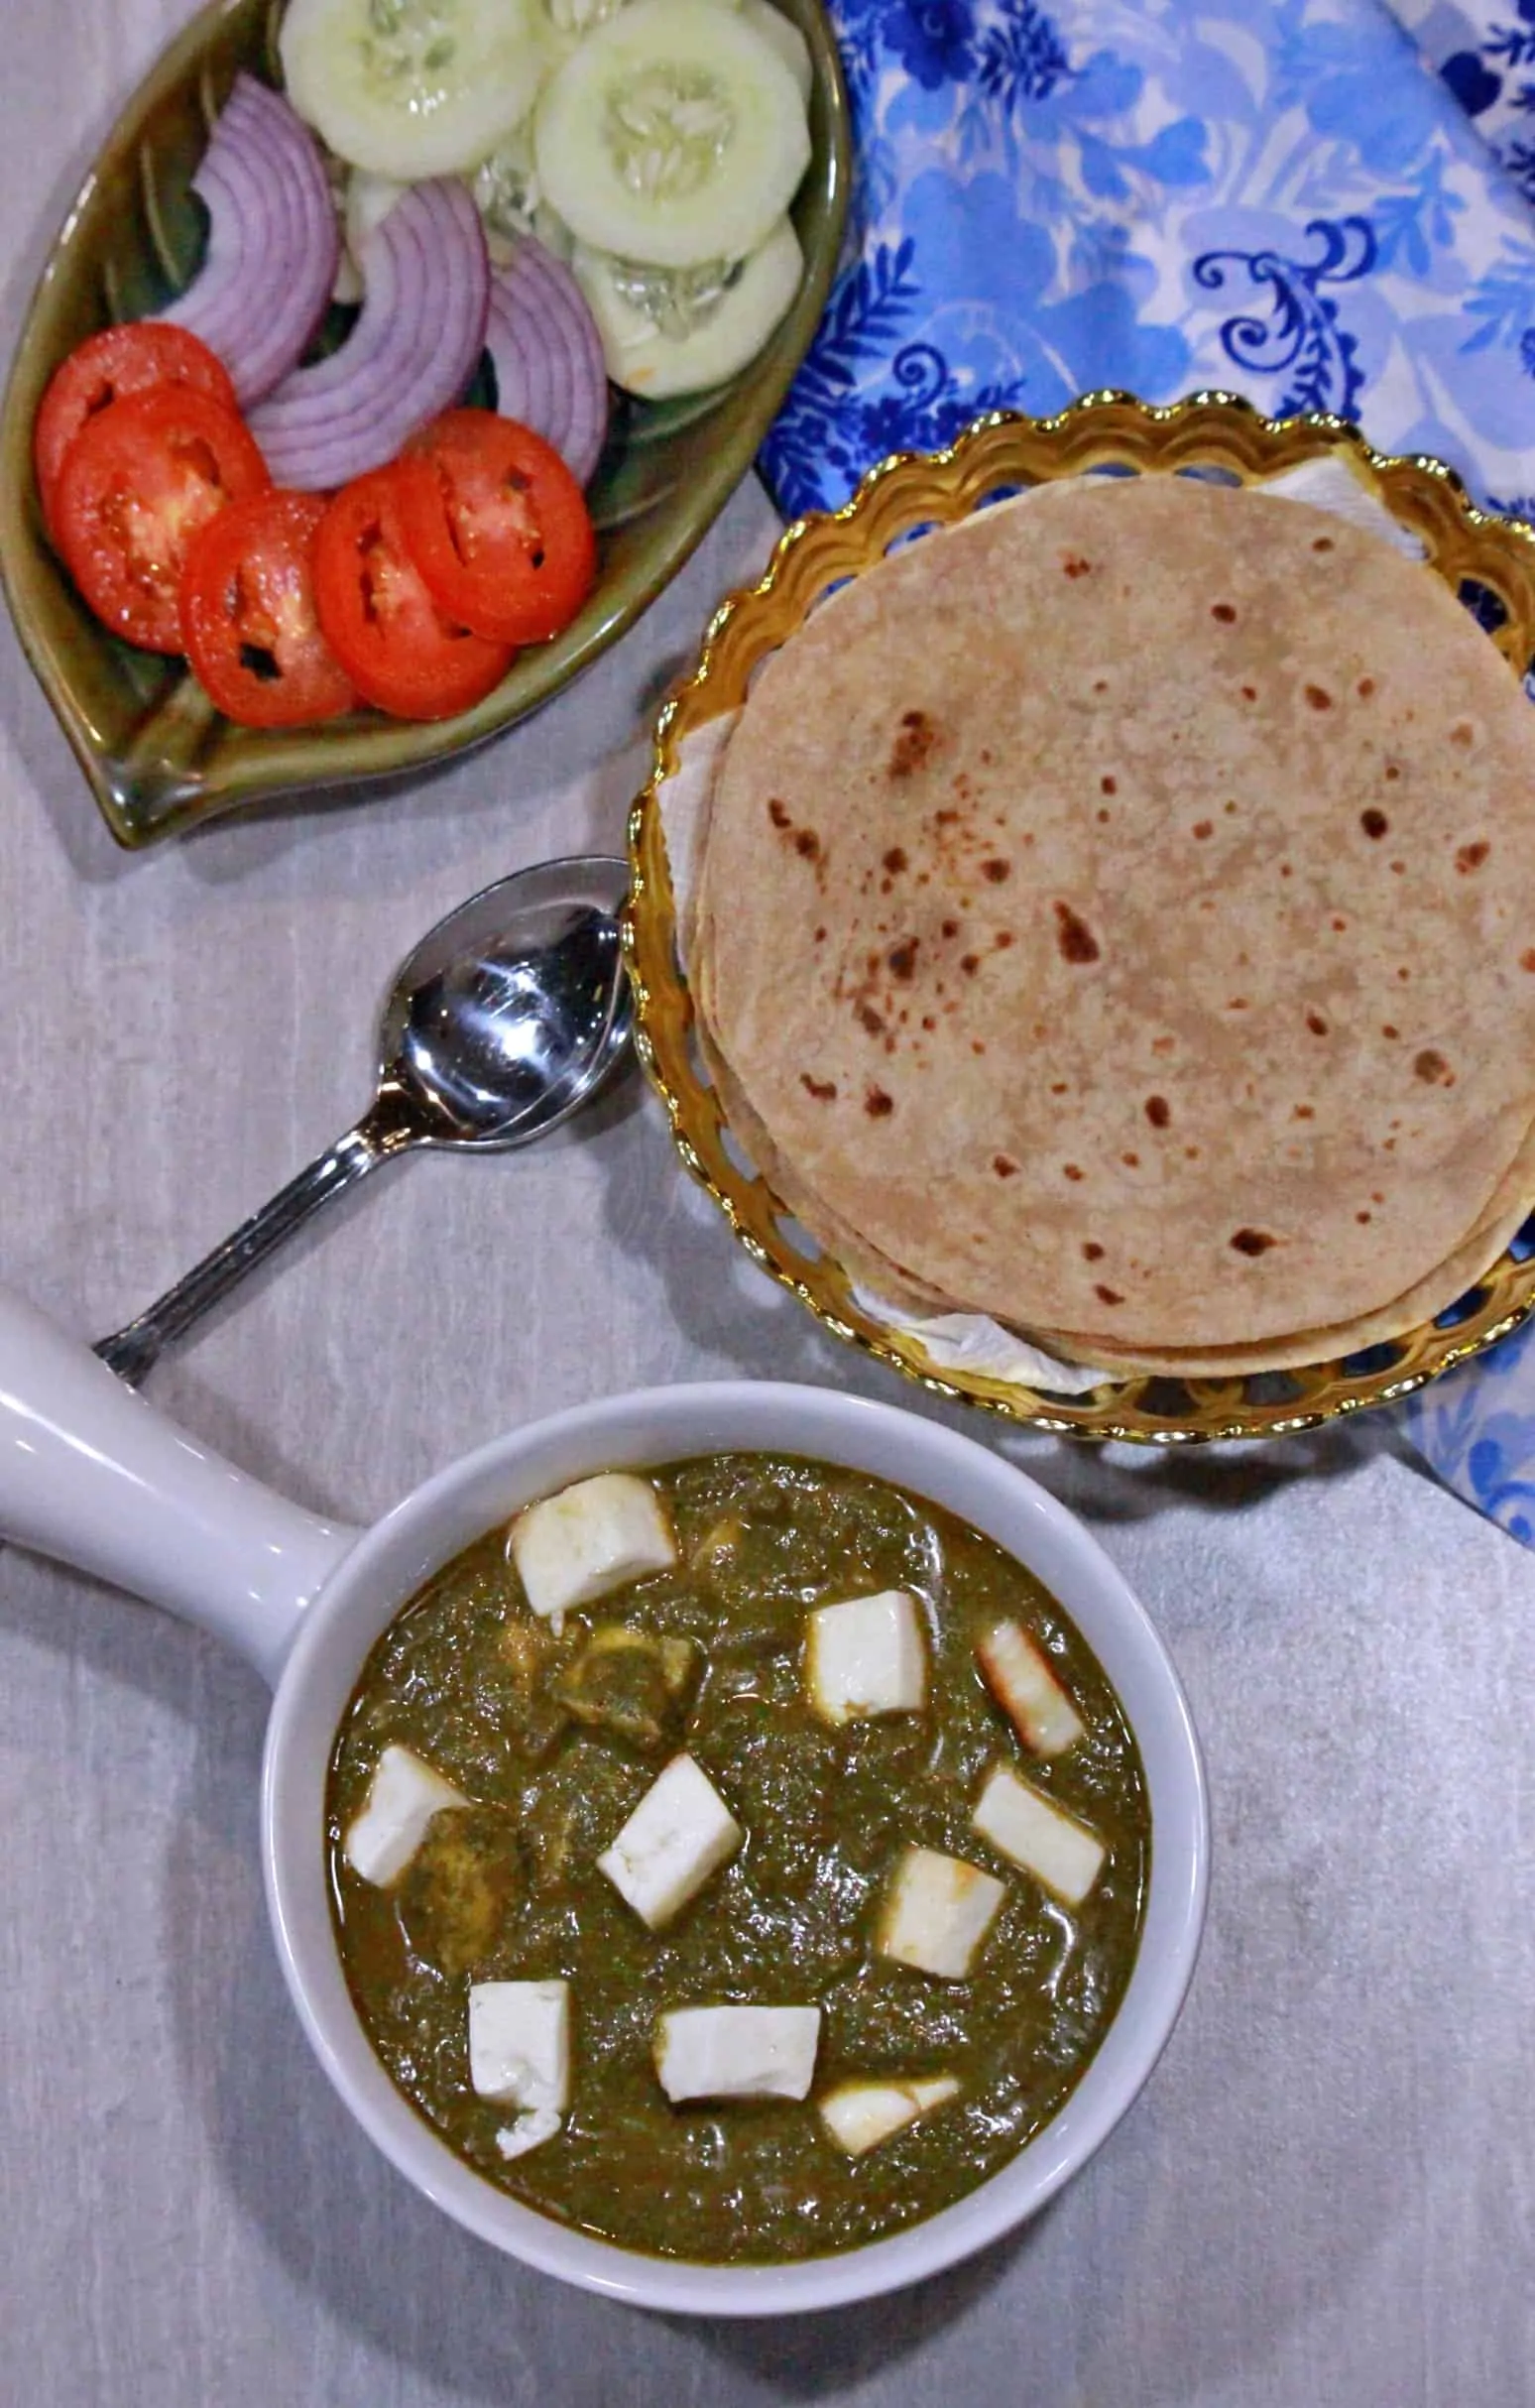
524, 379
414, 346
272, 241
537, 307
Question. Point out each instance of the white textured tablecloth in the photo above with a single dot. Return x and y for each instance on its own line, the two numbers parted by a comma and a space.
1326, 2196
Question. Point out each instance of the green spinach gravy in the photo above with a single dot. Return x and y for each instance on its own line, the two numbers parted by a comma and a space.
555, 1740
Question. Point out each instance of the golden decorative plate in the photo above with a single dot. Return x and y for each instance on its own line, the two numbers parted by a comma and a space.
1488, 560
156, 755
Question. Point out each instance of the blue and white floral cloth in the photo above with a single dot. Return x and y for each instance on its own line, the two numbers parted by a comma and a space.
1291, 198
1487, 56
1280, 196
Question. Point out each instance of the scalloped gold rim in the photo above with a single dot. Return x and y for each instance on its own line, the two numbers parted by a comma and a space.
906, 491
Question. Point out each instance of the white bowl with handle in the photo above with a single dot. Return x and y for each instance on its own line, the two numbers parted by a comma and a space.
93, 1475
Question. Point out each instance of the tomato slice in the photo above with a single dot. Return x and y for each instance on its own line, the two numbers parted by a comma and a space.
399, 651
106, 368
136, 483
501, 532
249, 622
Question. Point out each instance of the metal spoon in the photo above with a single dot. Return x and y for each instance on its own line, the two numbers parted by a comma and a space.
506, 1018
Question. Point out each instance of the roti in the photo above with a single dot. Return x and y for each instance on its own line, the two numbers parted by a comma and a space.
1118, 918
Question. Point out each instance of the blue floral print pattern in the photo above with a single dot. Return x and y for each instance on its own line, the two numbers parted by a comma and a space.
1277, 196
1484, 50
1322, 204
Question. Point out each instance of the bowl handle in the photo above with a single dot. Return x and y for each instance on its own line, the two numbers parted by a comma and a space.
91, 1473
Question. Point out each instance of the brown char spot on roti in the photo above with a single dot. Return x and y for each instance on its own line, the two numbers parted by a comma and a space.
1527, 958
1106, 1296
871, 1020
1003, 1165
1375, 824
1315, 1023
914, 741
1092, 1252
1254, 1242
1472, 856
1070, 1170
1432, 1068
823, 1090
877, 1104
778, 812
997, 870
1158, 1111
1204, 828
1224, 612
903, 958
1074, 940
895, 860
1318, 697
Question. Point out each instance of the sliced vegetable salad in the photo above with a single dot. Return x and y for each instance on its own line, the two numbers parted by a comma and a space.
569, 192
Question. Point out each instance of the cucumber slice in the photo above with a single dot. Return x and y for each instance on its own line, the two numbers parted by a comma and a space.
571, 20
674, 135
409, 88
669, 330
786, 40
508, 197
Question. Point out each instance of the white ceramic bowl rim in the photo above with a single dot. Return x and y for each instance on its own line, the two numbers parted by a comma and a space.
390, 1563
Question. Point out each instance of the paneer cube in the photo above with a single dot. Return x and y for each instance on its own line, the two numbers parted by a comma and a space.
938, 1912
865, 1657
737, 2052
680, 1833
859, 2114
1020, 1677
530, 2131
519, 2044
403, 1796
591, 1539
1031, 1830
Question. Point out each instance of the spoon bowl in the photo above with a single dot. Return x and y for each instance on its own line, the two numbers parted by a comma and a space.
497, 1030
509, 1015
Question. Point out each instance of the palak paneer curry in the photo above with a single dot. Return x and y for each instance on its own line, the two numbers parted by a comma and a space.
739, 1863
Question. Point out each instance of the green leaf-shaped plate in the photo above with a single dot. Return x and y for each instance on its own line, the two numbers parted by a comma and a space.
157, 754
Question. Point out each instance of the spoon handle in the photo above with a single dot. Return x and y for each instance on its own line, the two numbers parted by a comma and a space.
133, 1351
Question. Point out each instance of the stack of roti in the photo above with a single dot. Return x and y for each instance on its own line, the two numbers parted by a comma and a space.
1115, 916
